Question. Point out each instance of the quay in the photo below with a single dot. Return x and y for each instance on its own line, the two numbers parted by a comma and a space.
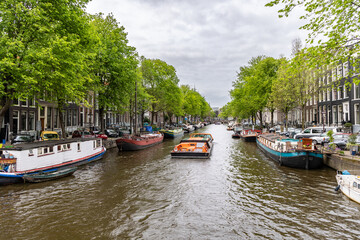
339, 162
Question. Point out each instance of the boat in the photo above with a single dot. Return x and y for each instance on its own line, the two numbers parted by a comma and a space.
290, 152
172, 133
349, 185
48, 175
138, 141
188, 128
198, 145
249, 135
46, 156
237, 132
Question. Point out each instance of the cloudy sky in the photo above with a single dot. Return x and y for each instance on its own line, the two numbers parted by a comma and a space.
205, 40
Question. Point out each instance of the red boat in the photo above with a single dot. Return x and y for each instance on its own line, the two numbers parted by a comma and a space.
138, 142
250, 135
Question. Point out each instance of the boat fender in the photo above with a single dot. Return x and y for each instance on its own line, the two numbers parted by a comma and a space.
337, 188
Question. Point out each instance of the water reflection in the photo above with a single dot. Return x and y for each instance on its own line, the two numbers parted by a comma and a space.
236, 194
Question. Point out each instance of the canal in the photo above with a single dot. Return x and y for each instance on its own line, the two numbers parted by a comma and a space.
236, 194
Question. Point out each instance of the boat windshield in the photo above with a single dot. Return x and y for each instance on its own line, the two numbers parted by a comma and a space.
50, 136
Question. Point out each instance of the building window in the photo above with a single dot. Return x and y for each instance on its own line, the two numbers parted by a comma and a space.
357, 114
31, 102
335, 115
31, 121
23, 121
74, 117
48, 117
56, 117
23, 103
68, 122
15, 121
341, 92
346, 94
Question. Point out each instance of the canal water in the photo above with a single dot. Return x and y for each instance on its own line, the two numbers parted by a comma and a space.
236, 194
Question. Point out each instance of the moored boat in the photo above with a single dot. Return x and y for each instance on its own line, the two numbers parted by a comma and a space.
48, 175
237, 132
293, 153
188, 128
172, 133
349, 185
198, 145
47, 156
138, 142
249, 135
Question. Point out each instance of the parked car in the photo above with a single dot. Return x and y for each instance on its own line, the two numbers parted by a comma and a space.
111, 133
49, 135
82, 134
315, 131
100, 135
321, 139
22, 138
340, 140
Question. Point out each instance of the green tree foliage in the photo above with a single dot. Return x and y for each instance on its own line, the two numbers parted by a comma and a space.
195, 105
284, 89
114, 65
252, 89
161, 83
42, 49
333, 25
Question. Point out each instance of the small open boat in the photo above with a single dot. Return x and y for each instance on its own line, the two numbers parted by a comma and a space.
172, 133
49, 175
138, 142
237, 132
349, 185
198, 145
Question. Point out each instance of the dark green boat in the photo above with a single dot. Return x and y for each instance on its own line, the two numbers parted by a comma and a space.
48, 176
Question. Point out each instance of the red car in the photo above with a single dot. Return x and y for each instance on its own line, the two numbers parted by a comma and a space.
100, 135
82, 134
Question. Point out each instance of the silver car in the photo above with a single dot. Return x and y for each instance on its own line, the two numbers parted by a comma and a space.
320, 139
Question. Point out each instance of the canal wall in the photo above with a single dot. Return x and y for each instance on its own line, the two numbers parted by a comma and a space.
343, 162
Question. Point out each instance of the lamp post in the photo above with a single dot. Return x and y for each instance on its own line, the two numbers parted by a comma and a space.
323, 117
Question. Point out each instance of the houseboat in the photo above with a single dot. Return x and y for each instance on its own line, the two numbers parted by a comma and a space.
24, 161
349, 185
249, 135
293, 153
138, 142
172, 133
198, 145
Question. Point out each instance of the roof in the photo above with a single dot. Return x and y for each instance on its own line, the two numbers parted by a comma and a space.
32, 145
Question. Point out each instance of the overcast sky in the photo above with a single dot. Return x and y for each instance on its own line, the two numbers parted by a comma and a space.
205, 40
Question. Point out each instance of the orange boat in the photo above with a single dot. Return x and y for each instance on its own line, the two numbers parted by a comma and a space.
198, 145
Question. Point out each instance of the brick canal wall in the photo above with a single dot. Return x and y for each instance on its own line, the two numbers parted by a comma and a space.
341, 163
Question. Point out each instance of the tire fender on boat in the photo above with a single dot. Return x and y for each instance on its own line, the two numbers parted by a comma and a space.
337, 188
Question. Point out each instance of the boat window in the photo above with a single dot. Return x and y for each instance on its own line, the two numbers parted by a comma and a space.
59, 148
40, 151
358, 186
94, 144
355, 184
45, 150
51, 149
68, 146
98, 143
78, 146
31, 153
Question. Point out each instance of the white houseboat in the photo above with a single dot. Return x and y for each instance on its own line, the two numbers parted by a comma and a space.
46, 157
349, 185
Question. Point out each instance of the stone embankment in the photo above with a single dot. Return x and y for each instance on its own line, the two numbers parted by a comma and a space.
343, 162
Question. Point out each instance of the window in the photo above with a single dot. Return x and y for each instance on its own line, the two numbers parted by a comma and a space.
341, 92
355, 185
23, 120
56, 116
78, 147
357, 91
16, 102
31, 102
346, 94
59, 148
307, 130
31, 152
23, 103
357, 114
317, 130
68, 122
48, 117
31, 121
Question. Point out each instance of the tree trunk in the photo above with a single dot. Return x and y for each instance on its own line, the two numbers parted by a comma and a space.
272, 118
5, 105
61, 118
101, 116
303, 117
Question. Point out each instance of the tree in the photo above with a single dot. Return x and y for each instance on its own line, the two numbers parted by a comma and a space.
114, 65
161, 84
42, 50
332, 25
252, 88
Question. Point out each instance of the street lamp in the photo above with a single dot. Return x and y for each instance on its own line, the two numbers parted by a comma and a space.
323, 116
